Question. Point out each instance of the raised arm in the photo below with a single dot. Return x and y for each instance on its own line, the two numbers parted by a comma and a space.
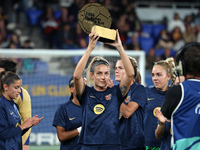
128, 77
78, 80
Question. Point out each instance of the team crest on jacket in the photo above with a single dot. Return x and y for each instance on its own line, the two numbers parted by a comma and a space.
128, 98
108, 97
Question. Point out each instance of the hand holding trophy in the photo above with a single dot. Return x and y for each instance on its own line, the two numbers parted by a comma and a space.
95, 17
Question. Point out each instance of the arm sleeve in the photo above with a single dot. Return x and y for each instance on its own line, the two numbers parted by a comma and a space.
60, 117
139, 96
7, 132
82, 98
172, 99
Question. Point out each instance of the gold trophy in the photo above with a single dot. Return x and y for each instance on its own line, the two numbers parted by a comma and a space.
95, 17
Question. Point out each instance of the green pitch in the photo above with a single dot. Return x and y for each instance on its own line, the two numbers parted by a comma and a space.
44, 147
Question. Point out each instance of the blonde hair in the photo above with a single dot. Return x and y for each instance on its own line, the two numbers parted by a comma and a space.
97, 60
169, 67
137, 76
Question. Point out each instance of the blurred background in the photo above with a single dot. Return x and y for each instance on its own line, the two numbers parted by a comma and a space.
158, 28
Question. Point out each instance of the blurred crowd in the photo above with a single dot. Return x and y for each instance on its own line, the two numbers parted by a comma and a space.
57, 21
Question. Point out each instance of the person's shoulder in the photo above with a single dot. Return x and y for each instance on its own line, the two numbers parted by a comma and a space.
174, 89
2, 103
138, 85
151, 87
65, 105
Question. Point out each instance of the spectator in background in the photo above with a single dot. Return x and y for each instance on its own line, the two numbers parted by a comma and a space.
166, 54
177, 38
15, 40
197, 19
198, 33
79, 35
3, 16
2, 41
189, 35
11, 45
133, 44
164, 40
188, 20
113, 8
75, 7
3, 33
65, 16
151, 58
176, 22
124, 27
66, 37
133, 20
27, 44
50, 26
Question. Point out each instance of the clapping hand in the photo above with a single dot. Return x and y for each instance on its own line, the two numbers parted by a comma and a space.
31, 122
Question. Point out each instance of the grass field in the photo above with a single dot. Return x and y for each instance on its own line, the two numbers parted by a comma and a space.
44, 147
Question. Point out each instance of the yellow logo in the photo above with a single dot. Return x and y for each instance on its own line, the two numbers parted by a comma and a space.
72, 118
92, 96
154, 110
150, 99
98, 109
17, 124
11, 113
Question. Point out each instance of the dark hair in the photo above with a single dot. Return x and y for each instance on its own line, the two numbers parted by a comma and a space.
8, 65
7, 77
71, 84
191, 58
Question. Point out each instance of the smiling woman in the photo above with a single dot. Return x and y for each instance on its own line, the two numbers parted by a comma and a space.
100, 103
11, 129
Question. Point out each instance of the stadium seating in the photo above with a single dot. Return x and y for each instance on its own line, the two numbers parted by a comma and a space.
57, 14
146, 43
160, 51
33, 16
156, 28
147, 29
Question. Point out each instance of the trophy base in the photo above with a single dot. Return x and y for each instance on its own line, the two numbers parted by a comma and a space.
106, 34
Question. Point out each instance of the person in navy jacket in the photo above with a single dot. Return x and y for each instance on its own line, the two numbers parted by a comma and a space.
11, 129
100, 103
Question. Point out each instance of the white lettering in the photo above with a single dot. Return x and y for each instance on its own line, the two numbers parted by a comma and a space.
44, 138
